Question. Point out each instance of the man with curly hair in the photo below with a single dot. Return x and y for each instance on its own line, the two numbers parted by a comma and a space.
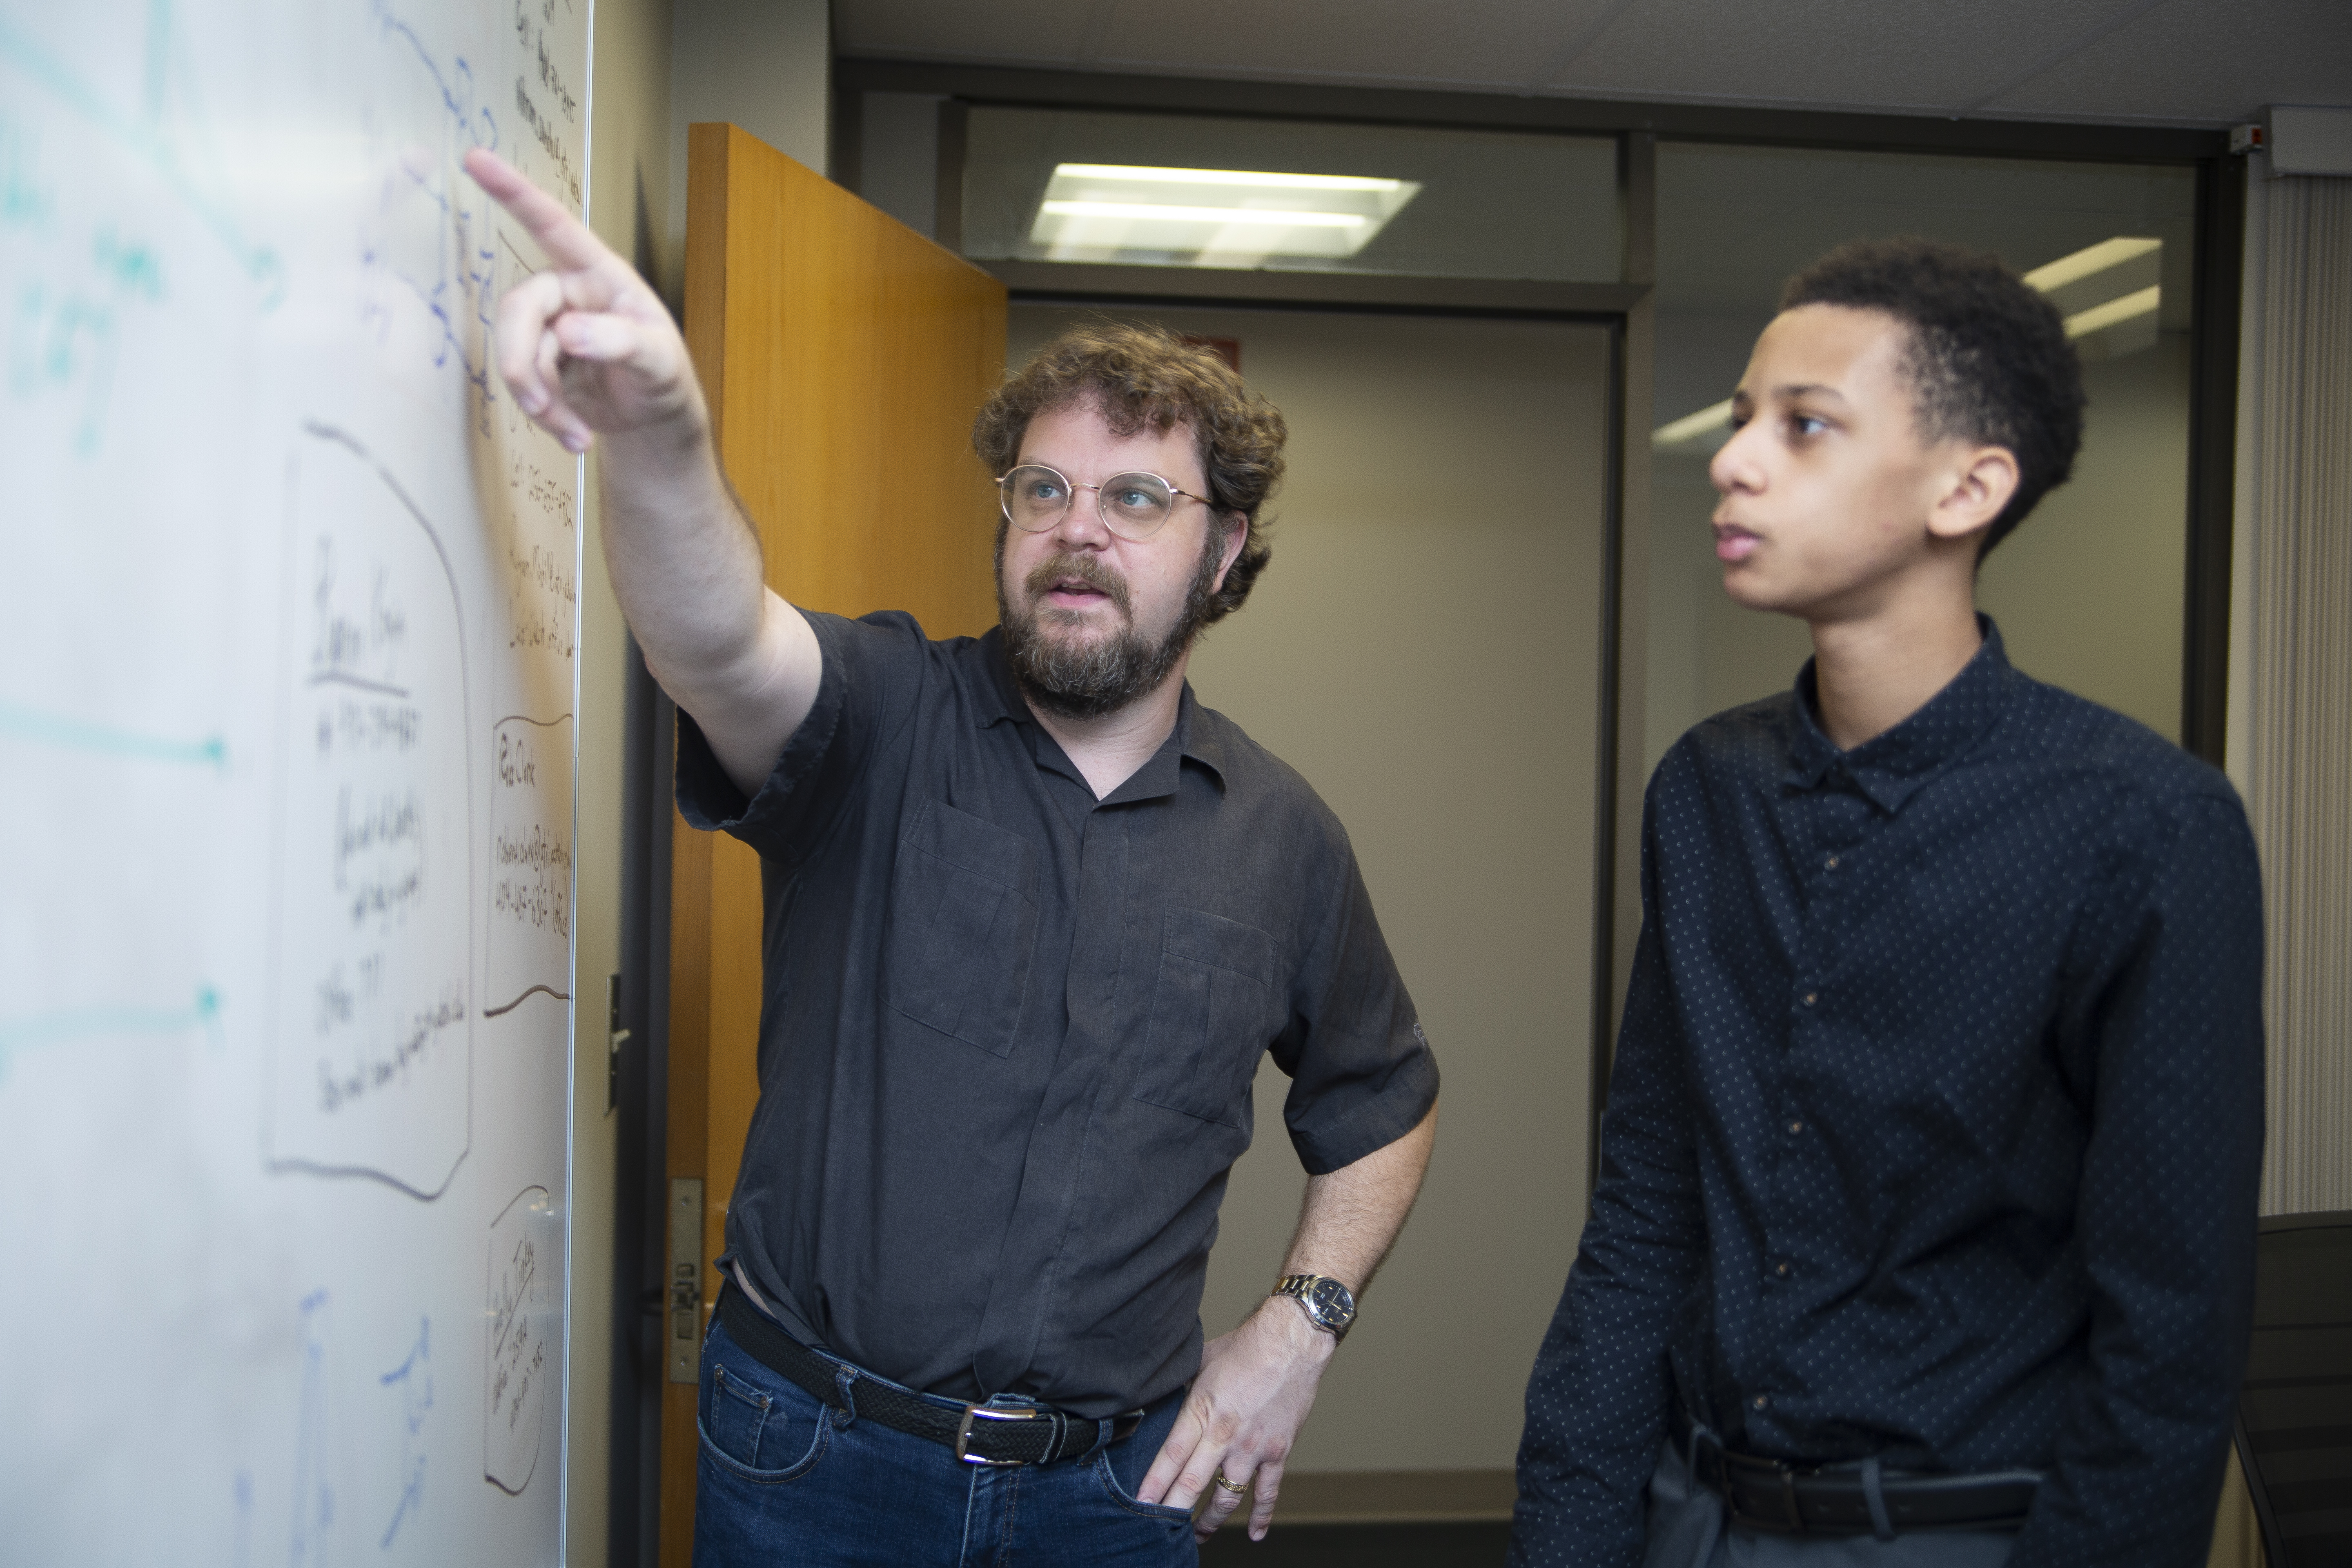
1034, 915
1924, 1232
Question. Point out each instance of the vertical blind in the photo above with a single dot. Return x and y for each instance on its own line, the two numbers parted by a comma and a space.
2299, 761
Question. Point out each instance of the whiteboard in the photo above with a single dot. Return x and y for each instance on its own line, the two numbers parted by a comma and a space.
288, 626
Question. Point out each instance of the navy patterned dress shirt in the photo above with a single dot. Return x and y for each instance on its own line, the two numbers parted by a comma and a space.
1935, 1127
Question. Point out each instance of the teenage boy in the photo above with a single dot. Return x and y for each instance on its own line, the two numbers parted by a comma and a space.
1924, 1232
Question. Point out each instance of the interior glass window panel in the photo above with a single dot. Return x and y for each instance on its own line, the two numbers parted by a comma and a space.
1043, 185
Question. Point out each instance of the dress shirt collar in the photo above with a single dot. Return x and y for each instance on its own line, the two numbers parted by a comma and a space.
1890, 768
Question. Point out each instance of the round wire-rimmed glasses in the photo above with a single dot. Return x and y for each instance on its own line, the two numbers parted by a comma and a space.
1133, 506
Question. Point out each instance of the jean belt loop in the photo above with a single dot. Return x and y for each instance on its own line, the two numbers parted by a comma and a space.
1875, 1496
844, 1378
1102, 1432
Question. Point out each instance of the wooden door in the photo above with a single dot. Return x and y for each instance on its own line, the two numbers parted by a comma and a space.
844, 356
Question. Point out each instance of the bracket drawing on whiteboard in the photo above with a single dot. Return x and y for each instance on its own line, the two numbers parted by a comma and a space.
372, 1040
523, 1350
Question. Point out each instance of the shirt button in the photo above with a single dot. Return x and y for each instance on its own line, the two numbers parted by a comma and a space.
1781, 1269
1812, 997
1760, 1401
1830, 863
1796, 1127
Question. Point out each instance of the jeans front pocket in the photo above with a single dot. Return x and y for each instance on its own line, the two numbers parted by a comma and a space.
962, 920
759, 1432
1213, 1012
1125, 1499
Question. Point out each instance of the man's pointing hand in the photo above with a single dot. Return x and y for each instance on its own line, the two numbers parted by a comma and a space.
584, 346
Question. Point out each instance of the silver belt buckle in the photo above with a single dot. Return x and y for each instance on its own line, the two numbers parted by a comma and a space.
988, 1413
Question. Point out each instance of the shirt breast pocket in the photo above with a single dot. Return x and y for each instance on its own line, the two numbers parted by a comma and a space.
962, 920
1213, 1010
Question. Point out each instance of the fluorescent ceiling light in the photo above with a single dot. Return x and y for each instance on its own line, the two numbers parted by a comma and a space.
1210, 217
1141, 175
2090, 259
1691, 426
2049, 278
1251, 215
2098, 318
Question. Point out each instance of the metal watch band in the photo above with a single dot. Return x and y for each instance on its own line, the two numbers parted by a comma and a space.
1300, 1288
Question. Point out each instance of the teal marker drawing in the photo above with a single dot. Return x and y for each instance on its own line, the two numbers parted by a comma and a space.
55, 730
100, 1023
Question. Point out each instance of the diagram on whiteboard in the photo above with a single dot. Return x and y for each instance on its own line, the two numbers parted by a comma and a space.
518, 1352
372, 1053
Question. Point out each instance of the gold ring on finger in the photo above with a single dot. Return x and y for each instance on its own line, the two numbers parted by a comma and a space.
1236, 1488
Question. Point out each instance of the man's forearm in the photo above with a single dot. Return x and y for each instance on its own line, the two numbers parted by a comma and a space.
686, 563
688, 570
1351, 1215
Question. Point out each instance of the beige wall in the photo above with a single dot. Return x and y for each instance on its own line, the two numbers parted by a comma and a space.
629, 173
2089, 592
1425, 649
764, 65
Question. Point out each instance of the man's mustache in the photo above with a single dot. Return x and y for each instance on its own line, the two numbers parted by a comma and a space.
1080, 569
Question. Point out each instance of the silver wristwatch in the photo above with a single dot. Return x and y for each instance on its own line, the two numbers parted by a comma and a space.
1330, 1306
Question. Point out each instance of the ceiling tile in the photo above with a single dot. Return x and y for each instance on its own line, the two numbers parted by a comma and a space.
1896, 54
1043, 31
1505, 44
2213, 60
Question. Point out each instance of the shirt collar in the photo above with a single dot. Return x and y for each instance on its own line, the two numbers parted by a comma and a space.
1890, 768
1195, 739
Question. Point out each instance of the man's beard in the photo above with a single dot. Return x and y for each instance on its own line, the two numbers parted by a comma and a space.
1085, 680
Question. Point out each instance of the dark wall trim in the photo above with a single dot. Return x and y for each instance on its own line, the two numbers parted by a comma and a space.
1607, 740
2212, 455
1507, 111
947, 205
1624, 634
633, 1503
1309, 290
845, 149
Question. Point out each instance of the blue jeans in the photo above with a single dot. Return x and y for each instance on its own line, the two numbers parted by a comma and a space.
785, 1480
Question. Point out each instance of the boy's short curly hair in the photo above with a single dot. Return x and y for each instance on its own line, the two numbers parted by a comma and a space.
1140, 375
1988, 360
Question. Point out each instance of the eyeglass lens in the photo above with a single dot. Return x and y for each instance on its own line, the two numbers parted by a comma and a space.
1133, 505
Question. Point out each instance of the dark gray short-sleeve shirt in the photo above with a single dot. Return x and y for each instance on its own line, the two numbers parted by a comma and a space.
1009, 1031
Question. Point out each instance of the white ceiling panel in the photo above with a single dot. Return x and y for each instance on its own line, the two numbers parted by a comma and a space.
1904, 54
1501, 45
1047, 31
2201, 59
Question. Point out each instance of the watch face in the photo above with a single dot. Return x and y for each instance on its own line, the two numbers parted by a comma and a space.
1330, 1300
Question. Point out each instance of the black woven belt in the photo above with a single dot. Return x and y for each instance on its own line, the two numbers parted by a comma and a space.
979, 1434
1794, 1500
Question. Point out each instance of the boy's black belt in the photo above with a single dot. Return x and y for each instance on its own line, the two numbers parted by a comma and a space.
1850, 1500
979, 1434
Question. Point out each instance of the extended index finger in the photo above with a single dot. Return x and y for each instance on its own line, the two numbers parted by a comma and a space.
568, 242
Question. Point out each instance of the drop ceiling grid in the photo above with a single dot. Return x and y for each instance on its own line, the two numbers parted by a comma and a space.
2199, 61
1903, 54
2215, 61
